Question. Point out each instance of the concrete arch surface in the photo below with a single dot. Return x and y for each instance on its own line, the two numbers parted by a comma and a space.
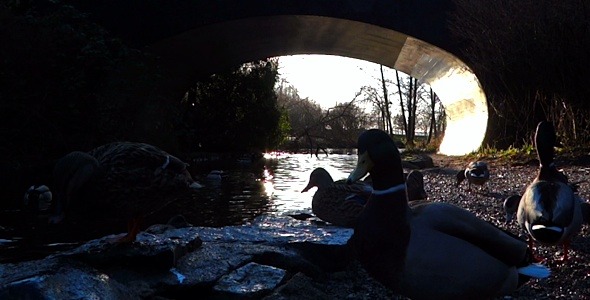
192, 51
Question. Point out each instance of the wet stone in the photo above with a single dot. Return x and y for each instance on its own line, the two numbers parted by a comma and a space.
250, 281
57, 280
160, 251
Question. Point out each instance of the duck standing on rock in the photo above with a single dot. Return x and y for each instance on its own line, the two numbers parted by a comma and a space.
433, 250
121, 180
477, 173
549, 210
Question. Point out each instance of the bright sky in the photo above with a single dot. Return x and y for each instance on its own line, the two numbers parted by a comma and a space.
327, 79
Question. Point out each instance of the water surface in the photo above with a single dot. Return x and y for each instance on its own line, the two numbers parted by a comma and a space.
271, 186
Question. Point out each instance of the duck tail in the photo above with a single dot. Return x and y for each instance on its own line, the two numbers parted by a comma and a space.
535, 270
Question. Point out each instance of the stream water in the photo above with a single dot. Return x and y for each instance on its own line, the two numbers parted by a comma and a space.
243, 192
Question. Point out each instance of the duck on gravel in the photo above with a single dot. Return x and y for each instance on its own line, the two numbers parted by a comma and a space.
433, 250
549, 210
477, 173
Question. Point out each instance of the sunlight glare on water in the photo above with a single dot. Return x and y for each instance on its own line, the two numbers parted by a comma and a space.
284, 181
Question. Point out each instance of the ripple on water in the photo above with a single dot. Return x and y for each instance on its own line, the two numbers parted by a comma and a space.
243, 193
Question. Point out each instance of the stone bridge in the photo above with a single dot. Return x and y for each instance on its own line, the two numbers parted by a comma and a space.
195, 38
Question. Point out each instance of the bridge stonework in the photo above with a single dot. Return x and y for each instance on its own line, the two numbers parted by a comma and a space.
195, 38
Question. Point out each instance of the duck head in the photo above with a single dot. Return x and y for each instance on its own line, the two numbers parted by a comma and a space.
179, 170
378, 155
319, 178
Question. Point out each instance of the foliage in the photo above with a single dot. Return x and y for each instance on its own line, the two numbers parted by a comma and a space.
53, 61
529, 56
525, 152
234, 111
55, 68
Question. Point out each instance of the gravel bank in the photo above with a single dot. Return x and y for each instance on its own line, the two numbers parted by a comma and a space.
569, 280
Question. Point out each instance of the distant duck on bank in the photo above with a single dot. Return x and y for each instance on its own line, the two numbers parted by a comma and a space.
476, 173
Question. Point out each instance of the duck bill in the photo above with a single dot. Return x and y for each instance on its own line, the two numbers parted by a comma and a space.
363, 166
309, 186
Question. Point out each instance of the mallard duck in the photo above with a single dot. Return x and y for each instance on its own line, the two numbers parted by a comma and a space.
339, 203
121, 180
549, 211
476, 172
433, 250
336, 202
510, 206
415, 185
37, 198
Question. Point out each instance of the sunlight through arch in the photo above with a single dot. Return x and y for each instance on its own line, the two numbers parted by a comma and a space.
208, 49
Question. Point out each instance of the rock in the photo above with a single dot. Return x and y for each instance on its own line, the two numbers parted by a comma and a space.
299, 287
250, 281
58, 279
249, 261
159, 251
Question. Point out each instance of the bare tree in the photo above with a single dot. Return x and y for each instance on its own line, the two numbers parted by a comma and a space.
432, 130
317, 128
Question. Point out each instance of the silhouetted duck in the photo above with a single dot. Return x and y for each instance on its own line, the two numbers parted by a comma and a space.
434, 250
340, 204
336, 202
476, 172
121, 180
37, 198
549, 210
415, 185
510, 206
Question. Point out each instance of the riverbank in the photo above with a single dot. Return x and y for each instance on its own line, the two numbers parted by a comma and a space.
569, 280
509, 176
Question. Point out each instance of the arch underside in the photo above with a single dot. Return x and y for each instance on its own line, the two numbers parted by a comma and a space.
205, 50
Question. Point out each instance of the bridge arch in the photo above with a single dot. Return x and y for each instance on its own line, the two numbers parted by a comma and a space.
194, 50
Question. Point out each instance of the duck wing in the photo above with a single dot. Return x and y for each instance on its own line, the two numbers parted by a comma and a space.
334, 204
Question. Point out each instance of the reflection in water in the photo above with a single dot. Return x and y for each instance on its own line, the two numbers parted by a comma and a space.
291, 174
242, 193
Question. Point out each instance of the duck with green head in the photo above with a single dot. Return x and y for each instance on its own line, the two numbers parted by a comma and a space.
433, 250
549, 211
